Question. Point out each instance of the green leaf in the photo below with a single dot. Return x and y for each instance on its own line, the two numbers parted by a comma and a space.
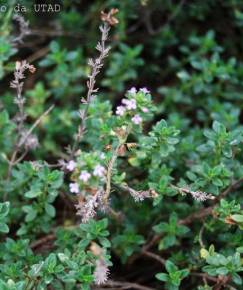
169, 241
50, 210
237, 218
50, 263
222, 271
62, 257
162, 277
35, 269
170, 266
32, 193
105, 242
184, 273
31, 215
217, 182
161, 227
218, 127
227, 151
4, 209
55, 178
240, 250
4, 228
237, 279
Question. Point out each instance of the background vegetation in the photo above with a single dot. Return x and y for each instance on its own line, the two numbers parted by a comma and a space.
187, 158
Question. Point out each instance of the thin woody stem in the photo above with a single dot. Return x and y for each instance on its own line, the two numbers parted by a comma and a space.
109, 172
201, 214
197, 195
112, 162
37, 122
22, 141
95, 65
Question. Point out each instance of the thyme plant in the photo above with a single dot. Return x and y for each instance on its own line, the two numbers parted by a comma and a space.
136, 188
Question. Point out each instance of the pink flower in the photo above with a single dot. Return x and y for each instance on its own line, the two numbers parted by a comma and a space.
99, 170
137, 119
120, 110
124, 101
144, 90
132, 91
131, 104
71, 165
84, 176
145, 110
74, 188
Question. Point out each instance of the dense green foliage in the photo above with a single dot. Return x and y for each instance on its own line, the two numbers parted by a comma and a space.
151, 189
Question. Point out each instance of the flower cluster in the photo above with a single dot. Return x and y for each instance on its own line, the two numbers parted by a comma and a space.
201, 196
101, 272
86, 170
136, 105
17, 83
87, 208
198, 195
88, 174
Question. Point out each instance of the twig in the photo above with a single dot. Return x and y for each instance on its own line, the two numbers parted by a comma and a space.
197, 195
109, 173
20, 158
138, 195
22, 141
50, 237
221, 281
42, 241
154, 256
196, 215
147, 19
55, 33
17, 84
200, 236
201, 214
204, 276
36, 123
111, 163
208, 210
38, 54
227, 190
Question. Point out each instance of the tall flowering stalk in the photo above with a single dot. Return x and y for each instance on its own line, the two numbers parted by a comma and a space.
25, 139
17, 83
19, 100
95, 66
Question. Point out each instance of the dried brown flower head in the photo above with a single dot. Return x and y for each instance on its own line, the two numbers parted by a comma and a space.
153, 193
109, 17
96, 249
131, 145
108, 147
